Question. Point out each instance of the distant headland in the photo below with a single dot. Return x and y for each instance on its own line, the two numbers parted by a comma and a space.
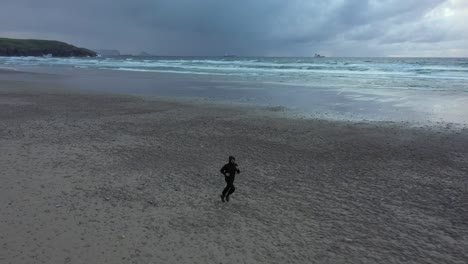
36, 47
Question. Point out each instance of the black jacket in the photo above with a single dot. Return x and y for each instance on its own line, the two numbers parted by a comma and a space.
230, 168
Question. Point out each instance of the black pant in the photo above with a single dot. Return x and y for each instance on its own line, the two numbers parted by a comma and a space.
230, 186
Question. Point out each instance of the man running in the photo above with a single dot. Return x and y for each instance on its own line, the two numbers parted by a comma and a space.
229, 171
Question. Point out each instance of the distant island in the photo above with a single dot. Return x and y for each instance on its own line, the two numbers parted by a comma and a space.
107, 52
36, 47
145, 54
116, 53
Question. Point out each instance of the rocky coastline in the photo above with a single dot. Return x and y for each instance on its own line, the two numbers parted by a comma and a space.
34, 47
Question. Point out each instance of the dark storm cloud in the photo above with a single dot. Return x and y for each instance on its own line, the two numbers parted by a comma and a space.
215, 27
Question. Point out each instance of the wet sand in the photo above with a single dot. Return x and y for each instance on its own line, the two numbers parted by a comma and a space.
102, 178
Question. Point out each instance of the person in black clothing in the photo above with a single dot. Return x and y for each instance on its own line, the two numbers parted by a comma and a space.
229, 171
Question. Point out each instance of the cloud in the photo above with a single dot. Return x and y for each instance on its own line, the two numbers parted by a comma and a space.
244, 27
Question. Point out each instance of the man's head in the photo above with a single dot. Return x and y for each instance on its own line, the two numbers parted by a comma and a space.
232, 159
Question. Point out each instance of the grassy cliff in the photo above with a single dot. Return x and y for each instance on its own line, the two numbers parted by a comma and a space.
36, 47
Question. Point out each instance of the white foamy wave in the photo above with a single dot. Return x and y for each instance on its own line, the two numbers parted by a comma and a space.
8, 68
160, 71
369, 72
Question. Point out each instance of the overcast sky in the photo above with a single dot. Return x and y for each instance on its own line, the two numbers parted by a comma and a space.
247, 27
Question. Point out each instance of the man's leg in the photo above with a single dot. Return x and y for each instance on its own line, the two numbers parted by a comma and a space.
226, 189
231, 188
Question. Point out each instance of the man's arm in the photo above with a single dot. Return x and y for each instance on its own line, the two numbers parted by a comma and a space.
223, 170
237, 170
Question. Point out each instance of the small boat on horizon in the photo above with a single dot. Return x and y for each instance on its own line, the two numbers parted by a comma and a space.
318, 56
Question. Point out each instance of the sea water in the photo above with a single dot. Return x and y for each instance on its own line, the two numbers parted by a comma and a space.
395, 89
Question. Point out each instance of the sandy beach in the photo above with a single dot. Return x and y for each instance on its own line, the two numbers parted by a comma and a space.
103, 178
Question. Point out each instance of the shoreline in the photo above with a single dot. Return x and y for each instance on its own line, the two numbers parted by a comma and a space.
105, 178
341, 104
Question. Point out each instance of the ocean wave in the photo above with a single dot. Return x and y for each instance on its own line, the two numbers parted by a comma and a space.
161, 71
382, 72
